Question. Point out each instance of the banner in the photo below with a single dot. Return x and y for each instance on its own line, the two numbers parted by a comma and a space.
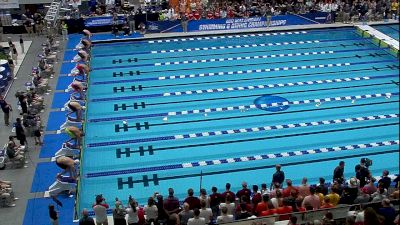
99, 21
320, 17
74, 3
9, 4
228, 24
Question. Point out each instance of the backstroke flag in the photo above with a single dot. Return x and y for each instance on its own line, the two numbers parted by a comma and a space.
9, 4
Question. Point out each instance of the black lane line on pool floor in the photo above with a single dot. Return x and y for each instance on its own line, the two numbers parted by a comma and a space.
373, 68
247, 96
138, 72
357, 44
155, 179
151, 149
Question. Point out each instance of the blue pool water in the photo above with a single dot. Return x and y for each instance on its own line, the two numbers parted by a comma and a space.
203, 111
392, 30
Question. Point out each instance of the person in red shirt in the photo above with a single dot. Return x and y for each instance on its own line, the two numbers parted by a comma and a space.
289, 189
327, 203
268, 212
285, 210
196, 15
228, 191
256, 196
210, 15
190, 16
263, 205
244, 199
244, 192
214, 200
217, 15
231, 14
193, 202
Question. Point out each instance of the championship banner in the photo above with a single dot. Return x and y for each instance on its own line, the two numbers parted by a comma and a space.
9, 4
74, 2
99, 21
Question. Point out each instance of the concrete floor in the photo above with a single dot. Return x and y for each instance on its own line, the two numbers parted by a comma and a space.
22, 178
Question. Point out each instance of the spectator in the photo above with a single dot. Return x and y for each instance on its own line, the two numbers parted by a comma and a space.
228, 191
86, 219
197, 219
284, 210
6, 108
230, 206
385, 181
193, 202
379, 195
323, 187
327, 203
362, 172
14, 151
263, 205
53, 215
371, 217
333, 196
203, 196
289, 189
185, 214
214, 201
171, 204
363, 198
243, 214
224, 217
338, 173
278, 200
132, 211
304, 188
292, 220
151, 211
205, 212
119, 213
162, 216
100, 210
264, 189
388, 212
256, 196
244, 191
278, 177
370, 187
328, 219
312, 199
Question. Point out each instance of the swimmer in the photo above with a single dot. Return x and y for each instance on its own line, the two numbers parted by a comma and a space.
84, 56
86, 45
83, 69
78, 88
87, 33
68, 166
76, 108
75, 135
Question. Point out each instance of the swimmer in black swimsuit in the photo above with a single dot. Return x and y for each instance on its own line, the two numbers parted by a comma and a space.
76, 108
68, 166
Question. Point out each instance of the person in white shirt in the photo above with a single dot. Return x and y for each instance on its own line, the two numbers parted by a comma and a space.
151, 211
132, 212
224, 217
100, 210
230, 206
205, 212
196, 220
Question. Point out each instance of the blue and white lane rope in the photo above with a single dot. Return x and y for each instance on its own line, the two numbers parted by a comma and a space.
285, 103
235, 46
239, 72
243, 58
246, 107
226, 37
243, 130
245, 158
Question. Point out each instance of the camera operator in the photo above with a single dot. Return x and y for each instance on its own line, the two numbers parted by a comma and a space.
362, 171
100, 210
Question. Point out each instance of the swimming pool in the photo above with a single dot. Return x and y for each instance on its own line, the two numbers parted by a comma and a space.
202, 111
392, 30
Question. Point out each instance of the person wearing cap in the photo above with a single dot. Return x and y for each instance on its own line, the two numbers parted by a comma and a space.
68, 166
87, 34
100, 210
78, 87
75, 135
76, 108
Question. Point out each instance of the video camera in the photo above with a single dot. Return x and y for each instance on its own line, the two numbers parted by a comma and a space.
367, 162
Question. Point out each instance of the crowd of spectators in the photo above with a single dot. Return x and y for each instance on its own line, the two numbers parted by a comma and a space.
345, 11
278, 201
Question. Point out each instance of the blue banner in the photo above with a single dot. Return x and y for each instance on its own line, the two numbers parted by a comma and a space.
229, 24
99, 21
320, 17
